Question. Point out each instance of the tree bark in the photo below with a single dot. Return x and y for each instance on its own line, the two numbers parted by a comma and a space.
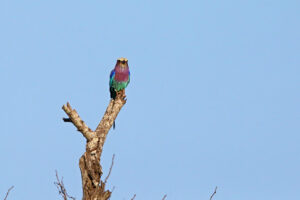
91, 171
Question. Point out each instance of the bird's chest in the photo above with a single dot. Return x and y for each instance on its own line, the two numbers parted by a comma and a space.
121, 76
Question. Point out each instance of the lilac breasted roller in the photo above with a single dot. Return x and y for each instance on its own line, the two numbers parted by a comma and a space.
119, 77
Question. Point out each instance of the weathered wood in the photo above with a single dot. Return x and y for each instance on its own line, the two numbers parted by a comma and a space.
91, 171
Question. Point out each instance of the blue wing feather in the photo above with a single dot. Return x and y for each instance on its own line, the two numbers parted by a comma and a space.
112, 73
111, 76
128, 78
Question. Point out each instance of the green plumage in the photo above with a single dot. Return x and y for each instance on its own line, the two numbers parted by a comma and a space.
118, 85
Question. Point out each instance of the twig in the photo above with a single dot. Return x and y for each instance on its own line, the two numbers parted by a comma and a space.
111, 166
8, 192
133, 197
112, 190
67, 120
164, 197
61, 188
213, 194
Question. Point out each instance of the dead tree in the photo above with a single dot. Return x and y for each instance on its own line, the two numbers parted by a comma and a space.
91, 171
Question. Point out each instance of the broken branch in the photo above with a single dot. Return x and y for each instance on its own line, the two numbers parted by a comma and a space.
76, 120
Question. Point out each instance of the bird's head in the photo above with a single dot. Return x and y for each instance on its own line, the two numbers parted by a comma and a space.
122, 62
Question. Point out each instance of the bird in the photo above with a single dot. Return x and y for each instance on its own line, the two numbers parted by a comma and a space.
119, 78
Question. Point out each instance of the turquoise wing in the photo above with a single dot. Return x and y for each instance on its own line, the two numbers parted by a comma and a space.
111, 77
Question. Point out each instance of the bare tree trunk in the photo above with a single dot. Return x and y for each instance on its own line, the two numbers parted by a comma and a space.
89, 163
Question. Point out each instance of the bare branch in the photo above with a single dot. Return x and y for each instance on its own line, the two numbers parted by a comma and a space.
213, 194
109, 117
111, 166
164, 197
133, 197
61, 188
8, 192
76, 120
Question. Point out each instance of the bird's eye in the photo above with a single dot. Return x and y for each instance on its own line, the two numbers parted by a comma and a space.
123, 61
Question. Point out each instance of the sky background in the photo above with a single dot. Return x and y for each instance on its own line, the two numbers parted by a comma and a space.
213, 101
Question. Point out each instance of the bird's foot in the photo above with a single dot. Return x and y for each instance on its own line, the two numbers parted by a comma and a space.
121, 95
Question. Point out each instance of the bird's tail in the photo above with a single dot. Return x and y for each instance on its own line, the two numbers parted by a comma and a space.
113, 93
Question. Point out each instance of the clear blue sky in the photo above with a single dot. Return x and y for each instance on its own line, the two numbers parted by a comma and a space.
213, 100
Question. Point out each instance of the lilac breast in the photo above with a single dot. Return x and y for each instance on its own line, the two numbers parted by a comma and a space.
121, 74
